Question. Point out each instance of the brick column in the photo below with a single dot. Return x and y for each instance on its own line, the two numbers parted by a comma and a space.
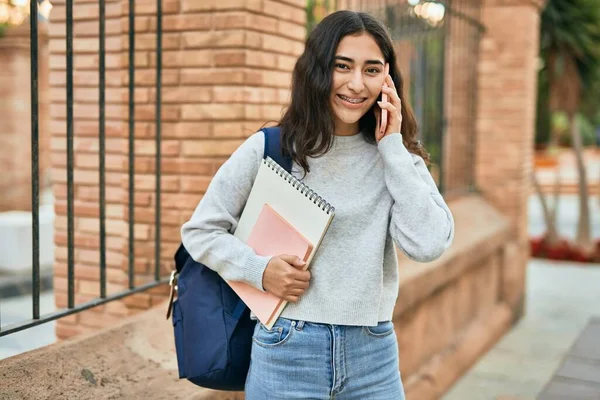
15, 116
505, 125
226, 71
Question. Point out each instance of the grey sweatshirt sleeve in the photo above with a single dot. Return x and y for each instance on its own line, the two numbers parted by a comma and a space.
208, 237
421, 223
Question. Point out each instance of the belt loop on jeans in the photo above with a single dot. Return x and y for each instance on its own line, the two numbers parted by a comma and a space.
299, 325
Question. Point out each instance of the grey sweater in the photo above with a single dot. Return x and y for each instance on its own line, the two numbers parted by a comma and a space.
382, 195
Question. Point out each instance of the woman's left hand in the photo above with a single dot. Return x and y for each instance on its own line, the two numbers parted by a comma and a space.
393, 107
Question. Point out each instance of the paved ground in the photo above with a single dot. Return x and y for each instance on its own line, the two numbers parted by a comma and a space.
17, 309
578, 377
561, 300
16, 305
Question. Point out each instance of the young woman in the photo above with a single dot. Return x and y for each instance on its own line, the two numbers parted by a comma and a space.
335, 339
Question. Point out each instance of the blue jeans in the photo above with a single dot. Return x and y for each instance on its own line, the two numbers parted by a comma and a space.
303, 360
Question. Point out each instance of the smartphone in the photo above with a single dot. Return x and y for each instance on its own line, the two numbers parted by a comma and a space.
384, 97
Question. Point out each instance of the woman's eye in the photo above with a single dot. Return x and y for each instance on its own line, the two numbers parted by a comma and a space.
341, 66
373, 71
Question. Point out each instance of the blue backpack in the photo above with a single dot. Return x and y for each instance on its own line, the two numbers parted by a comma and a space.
212, 325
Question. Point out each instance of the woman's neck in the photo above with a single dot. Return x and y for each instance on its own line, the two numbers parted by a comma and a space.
342, 129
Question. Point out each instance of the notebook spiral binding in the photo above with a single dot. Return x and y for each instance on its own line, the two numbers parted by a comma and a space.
301, 186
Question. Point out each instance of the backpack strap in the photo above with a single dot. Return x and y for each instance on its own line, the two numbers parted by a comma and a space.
181, 256
273, 148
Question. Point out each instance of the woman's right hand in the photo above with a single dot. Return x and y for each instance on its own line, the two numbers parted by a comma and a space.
285, 278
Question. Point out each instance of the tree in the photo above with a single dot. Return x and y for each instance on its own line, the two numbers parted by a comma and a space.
542, 136
570, 50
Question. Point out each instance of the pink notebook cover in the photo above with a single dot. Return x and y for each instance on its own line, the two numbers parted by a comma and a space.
272, 235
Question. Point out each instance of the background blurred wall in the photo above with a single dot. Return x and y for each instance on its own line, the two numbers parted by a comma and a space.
15, 116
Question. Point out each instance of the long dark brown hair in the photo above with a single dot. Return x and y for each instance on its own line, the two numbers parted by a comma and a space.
307, 127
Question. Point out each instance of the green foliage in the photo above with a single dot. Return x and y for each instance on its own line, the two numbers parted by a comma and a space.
569, 29
310, 16
590, 104
426, 86
572, 28
560, 122
543, 126
586, 129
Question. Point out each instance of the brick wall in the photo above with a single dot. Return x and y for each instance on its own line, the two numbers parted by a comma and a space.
15, 116
226, 71
505, 125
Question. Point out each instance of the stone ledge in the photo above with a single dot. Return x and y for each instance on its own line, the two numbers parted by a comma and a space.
479, 231
135, 359
436, 376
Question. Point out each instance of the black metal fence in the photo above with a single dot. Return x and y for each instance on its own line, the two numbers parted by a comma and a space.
35, 179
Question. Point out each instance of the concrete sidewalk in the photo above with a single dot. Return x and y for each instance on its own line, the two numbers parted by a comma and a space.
561, 298
17, 309
579, 374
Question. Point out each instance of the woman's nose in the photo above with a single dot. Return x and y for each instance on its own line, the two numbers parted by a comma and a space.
356, 83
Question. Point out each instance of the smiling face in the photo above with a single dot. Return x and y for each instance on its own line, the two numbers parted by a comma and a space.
357, 79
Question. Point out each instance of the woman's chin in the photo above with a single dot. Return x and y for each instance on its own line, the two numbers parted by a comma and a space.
350, 118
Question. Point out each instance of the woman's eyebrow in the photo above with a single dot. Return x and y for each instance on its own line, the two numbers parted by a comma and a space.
348, 59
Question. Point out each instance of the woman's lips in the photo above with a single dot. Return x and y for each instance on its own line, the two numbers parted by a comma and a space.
350, 104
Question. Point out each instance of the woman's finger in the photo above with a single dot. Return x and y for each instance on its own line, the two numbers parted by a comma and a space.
390, 82
394, 117
291, 299
393, 96
388, 106
300, 285
296, 292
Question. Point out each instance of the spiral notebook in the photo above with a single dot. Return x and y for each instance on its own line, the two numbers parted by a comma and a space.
271, 234
301, 207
